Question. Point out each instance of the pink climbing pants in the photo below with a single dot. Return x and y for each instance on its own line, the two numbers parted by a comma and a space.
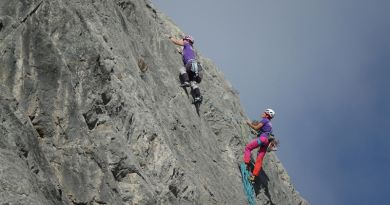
261, 142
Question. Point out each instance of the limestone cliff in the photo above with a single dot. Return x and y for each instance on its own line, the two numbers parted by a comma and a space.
91, 112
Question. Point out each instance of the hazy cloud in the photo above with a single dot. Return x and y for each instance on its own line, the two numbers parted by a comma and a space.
324, 67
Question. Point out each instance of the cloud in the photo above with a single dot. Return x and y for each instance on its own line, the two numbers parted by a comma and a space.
324, 67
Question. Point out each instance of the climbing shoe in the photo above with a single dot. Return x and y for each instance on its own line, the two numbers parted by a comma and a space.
252, 178
198, 99
185, 84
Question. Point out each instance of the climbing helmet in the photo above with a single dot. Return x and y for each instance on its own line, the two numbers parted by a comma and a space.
270, 112
189, 38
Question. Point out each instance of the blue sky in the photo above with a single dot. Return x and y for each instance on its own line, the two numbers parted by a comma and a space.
324, 67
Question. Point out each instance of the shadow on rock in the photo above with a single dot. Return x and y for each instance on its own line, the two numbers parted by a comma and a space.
262, 183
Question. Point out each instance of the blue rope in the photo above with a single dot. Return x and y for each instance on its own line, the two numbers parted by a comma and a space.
248, 188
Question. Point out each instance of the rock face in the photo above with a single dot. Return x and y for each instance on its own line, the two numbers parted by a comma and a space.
91, 112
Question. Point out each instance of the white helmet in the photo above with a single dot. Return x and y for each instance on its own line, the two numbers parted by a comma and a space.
270, 112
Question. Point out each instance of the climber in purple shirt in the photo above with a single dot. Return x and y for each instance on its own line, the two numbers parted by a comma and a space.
263, 140
191, 74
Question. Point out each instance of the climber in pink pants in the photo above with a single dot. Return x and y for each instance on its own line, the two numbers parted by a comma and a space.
260, 155
265, 128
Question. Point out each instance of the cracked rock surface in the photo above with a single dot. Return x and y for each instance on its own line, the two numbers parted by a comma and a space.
92, 113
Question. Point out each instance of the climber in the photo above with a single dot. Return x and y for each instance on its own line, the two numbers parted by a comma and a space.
264, 140
191, 74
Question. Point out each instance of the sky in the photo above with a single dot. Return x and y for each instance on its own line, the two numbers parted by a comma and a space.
323, 66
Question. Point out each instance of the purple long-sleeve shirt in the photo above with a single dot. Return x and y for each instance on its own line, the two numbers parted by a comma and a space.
188, 53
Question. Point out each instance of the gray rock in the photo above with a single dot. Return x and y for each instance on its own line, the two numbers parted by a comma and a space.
92, 112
